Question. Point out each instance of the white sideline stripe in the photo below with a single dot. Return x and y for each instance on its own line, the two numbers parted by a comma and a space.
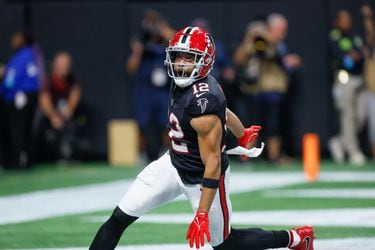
321, 244
62, 201
355, 217
357, 193
89, 198
347, 176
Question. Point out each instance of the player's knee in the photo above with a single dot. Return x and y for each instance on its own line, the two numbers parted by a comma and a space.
121, 217
233, 241
227, 244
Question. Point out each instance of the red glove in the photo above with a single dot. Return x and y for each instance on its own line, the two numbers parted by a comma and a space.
249, 136
197, 229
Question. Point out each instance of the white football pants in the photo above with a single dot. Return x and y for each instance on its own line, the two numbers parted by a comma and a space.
160, 183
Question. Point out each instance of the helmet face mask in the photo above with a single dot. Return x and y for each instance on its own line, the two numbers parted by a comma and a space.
190, 56
184, 71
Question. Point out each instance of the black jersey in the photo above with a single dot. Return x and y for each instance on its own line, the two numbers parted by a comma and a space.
201, 98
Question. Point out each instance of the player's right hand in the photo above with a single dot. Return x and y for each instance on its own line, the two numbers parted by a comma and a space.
197, 229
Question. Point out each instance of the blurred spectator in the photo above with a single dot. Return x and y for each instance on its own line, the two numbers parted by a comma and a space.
151, 90
369, 72
59, 99
19, 90
278, 30
291, 62
223, 69
263, 64
348, 89
260, 75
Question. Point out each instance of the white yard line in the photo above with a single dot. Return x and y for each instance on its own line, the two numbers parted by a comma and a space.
63, 201
96, 197
321, 244
90, 198
357, 217
357, 193
347, 176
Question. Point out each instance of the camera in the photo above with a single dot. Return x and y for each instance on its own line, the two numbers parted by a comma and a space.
260, 45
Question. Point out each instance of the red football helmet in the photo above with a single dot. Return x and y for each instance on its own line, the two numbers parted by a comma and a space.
195, 42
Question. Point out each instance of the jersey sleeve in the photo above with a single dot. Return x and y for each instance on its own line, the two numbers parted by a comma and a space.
205, 104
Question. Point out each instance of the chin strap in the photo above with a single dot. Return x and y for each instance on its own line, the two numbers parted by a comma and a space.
182, 83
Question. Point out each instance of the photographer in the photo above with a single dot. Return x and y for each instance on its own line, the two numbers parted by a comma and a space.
151, 90
262, 81
258, 59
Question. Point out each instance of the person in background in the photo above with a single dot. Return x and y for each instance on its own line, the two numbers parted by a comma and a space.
263, 83
278, 30
59, 99
369, 72
348, 89
151, 89
291, 62
19, 90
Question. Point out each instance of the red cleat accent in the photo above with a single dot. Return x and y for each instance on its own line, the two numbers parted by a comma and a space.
306, 233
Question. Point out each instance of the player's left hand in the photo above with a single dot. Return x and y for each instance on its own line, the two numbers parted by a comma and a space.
249, 136
197, 229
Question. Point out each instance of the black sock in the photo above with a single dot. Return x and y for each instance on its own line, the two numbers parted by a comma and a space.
281, 238
110, 232
255, 239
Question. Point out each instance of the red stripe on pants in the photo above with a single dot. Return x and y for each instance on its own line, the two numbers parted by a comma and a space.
224, 206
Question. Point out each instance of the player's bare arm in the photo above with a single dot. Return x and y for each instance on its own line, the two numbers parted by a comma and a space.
208, 128
245, 135
234, 124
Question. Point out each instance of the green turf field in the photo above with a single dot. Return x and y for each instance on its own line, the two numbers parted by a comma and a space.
78, 229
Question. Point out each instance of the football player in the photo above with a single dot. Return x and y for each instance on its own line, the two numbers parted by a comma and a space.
197, 164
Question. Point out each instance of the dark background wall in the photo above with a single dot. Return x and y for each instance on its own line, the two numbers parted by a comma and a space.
98, 33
